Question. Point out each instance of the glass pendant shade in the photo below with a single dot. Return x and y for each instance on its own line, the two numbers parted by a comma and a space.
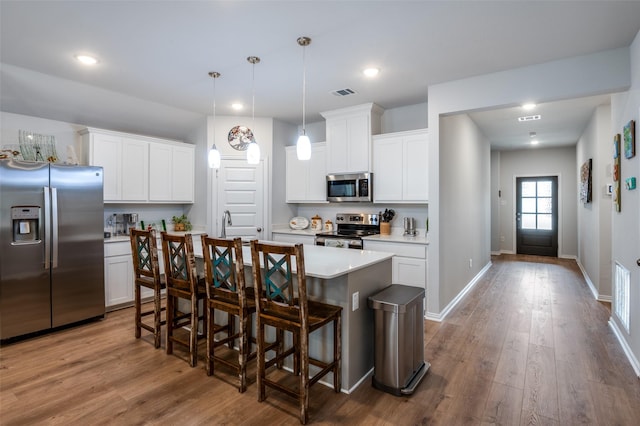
214, 158
214, 155
303, 148
253, 153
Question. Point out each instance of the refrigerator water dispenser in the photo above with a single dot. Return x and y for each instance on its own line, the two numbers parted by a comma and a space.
26, 224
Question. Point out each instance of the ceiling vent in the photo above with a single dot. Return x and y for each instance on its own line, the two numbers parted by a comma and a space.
530, 118
343, 92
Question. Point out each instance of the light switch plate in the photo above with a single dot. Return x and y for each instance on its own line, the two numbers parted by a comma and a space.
355, 301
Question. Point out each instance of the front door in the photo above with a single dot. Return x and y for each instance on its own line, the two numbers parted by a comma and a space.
240, 190
537, 215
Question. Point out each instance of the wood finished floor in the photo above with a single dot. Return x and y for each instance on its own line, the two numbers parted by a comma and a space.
529, 345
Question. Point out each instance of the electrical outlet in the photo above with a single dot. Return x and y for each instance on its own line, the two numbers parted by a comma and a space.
355, 301
502, 238
470, 263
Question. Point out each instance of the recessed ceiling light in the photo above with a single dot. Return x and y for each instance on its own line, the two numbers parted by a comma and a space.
534, 142
237, 106
371, 72
529, 106
530, 118
86, 59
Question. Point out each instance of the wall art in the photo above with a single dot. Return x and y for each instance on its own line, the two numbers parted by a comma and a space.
616, 173
629, 137
585, 181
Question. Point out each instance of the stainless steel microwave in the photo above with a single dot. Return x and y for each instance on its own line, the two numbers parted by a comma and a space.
350, 187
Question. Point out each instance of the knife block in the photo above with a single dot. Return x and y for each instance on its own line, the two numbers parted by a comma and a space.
385, 228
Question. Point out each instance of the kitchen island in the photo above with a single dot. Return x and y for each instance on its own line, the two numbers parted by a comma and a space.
346, 278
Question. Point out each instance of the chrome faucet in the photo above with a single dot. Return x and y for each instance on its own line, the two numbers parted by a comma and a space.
226, 220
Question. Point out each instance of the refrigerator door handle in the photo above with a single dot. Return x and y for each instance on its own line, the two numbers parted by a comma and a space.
54, 227
47, 227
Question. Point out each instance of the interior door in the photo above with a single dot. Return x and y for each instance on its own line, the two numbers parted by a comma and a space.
537, 215
241, 189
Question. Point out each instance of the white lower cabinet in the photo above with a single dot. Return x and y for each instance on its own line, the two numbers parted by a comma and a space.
409, 264
118, 274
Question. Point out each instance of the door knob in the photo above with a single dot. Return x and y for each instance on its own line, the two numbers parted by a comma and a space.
259, 229
638, 262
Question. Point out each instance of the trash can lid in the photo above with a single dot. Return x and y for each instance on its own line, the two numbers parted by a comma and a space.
396, 298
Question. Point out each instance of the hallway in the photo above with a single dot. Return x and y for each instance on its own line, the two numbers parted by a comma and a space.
528, 345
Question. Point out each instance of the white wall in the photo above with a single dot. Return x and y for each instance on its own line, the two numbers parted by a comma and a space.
594, 218
66, 134
466, 230
626, 224
603, 72
540, 162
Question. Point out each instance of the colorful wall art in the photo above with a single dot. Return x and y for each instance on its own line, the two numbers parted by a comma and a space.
629, 137
617, 177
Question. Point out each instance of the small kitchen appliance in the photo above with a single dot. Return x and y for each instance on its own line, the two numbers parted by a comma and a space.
351, 227
410, 226
350, 187
124, 222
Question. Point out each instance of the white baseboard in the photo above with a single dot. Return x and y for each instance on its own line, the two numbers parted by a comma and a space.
459, 297
592, 287
625, 347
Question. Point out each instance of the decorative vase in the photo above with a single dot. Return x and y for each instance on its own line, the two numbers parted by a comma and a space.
385, 228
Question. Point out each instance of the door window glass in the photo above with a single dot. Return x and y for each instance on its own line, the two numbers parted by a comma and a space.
537, 202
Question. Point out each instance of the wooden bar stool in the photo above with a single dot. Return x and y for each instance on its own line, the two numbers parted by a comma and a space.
227, 292
146, 270
278, 306
182, 283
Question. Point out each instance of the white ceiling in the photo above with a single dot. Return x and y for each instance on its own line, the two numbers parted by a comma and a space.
155, 56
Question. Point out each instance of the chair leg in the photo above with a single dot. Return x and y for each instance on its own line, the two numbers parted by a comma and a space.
304, 377
193, 334
170, 316
138, 313
157, 317
210, 340
260, 360
337, 354
244, 352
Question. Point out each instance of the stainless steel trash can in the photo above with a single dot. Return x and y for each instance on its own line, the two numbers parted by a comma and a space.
399, 363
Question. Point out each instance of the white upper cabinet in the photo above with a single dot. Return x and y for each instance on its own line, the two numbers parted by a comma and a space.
171, 173
400, 172
140, 169
306, 180
349, 133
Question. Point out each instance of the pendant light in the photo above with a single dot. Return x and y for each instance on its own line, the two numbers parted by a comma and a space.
253, 150
214, 154
303, 146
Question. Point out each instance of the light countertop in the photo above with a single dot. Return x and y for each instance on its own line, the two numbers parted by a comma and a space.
327, 262
121, 238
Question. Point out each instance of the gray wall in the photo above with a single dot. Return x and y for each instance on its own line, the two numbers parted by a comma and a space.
626, 224
495, 202
594, 218
466, 230
540, 162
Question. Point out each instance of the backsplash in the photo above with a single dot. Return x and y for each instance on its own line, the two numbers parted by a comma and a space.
149, 214
329, 211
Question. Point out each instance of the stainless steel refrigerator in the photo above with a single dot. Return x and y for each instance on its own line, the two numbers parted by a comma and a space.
51, 246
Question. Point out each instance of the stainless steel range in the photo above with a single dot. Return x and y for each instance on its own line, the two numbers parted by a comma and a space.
351, 227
